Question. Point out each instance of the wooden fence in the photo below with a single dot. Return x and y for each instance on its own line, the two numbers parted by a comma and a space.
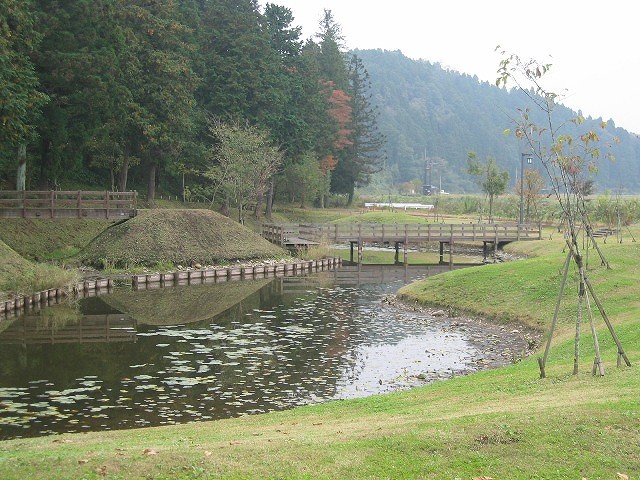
67, 204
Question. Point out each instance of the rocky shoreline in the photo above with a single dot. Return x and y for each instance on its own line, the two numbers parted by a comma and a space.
496, 345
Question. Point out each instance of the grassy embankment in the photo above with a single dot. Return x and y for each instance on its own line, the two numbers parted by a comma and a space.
154, 239
503, 424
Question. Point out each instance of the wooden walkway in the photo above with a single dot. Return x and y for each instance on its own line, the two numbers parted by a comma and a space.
68, 204
417, 233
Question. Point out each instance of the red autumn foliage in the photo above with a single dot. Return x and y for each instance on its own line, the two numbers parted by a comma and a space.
328, 163
341, 112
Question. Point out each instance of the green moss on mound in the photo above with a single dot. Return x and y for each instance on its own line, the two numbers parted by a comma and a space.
176, 237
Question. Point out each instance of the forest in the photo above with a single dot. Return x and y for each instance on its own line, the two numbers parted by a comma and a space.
203, 99
429, 112
221, 100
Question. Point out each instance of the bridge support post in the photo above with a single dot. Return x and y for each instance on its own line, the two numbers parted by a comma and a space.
360, 245
405, 254
451, 253
396, 258
441, 252
351, 256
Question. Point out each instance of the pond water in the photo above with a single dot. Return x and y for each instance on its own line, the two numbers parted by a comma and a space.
162, 356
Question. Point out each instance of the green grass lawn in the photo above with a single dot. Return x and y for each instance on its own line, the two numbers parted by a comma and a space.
501, 424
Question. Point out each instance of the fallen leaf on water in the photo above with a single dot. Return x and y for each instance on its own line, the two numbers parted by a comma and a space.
150, 451
207, 454
84, 460
622, 476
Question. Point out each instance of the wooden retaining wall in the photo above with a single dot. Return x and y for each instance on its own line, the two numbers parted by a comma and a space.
232, 273
91, 288
52, 296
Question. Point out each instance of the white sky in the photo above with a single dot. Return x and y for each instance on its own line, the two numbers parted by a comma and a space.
593, 45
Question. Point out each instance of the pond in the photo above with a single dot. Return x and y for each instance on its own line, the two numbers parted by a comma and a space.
186, 353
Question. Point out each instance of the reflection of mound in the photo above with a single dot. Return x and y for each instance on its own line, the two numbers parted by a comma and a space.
176, 236
183, 304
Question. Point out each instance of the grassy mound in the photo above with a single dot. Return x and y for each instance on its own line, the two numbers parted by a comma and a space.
176, 237
49, 239
18, 276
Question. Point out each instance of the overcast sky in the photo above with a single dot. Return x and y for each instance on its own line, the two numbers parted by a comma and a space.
593, 46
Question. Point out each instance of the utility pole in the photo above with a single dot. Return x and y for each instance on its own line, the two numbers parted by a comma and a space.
529, 158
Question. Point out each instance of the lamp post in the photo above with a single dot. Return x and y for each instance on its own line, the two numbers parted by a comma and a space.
529, 158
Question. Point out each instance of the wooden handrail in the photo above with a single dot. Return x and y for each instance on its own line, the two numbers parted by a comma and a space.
336, 232
67, 204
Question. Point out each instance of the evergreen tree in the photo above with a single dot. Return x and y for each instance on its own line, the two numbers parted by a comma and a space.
236, 61
332, 57
163, 83
362, 155
20, 98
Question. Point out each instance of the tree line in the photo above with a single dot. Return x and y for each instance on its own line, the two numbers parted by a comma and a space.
131, 94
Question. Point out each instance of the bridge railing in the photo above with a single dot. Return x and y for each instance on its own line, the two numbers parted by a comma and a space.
280, 233
379, 232
67, 204
414, 233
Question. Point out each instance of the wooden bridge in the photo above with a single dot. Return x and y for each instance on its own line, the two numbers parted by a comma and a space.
297, 235
33, 329
67, 204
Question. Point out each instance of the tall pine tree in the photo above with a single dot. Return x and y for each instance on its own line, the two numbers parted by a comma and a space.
363, 153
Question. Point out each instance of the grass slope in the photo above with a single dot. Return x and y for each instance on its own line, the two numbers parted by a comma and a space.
19, 276
503, 424
49, 239
176, 236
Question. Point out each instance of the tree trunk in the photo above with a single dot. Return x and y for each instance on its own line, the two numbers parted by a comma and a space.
151, 186
124, 173
269, 199
226, 210
258, 212
46, 162
21, 175
490, 208
351, 194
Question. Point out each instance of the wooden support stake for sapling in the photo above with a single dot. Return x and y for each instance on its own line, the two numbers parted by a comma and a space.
543, 361
621, 353
598, 366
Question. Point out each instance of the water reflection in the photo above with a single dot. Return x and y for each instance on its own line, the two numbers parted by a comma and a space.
213, 351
